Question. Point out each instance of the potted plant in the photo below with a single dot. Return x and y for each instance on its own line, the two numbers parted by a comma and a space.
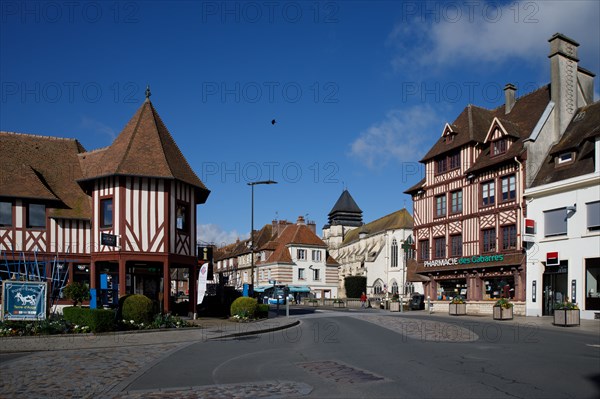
77, 292
458, 306
395, 303
338, 303
566, 314
503, 309
313, 302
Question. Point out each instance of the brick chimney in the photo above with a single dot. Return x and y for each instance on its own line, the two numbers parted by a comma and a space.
509, 97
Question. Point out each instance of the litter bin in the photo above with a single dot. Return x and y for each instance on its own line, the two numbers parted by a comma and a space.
417, 302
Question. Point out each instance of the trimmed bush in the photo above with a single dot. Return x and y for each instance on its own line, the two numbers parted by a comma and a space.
262, 311
355, 286
77, 292
244, 307
98, 320
138, 308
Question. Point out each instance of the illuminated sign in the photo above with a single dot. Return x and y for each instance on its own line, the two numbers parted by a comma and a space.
463, 261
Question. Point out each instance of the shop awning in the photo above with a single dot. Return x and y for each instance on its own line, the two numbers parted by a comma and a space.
299, 288
263, 288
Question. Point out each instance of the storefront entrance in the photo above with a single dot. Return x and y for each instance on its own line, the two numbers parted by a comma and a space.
555, 286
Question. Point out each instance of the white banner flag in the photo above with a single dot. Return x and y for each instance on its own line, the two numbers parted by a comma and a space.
202, 282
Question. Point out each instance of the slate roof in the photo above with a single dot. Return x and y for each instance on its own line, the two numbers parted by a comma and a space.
44, 168
397, 220
143, 148
579, 137
345, 212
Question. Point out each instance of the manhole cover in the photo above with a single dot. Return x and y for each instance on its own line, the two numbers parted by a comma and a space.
339, 373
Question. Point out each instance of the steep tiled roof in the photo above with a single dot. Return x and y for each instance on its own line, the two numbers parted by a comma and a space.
579, 136
144, 148
345, 212
416, 187
293, 234
44, 168
398, 220
240, 247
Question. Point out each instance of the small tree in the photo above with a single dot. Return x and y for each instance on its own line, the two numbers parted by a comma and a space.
77, 292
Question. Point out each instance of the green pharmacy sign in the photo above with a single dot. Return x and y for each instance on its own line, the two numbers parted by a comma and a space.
24, 300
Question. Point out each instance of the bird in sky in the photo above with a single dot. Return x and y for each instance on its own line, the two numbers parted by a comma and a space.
273, 122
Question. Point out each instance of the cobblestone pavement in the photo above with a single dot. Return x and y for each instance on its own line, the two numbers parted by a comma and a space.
424, 330
266, 389
82, 373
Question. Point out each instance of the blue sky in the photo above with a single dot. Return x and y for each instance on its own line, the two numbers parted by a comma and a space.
360, 90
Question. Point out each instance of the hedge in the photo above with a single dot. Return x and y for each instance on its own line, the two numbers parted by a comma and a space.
262, 311
355, 286
98, 320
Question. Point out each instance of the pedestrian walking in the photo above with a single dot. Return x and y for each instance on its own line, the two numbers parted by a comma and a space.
363, 300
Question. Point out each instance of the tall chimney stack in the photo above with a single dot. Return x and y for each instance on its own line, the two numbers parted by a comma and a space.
509, 97
563, 81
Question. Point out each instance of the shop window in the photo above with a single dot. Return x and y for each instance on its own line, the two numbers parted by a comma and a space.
394, 251
593, 216
106, 212
489, 240
440, 247
555, 222
5, 214
440, 206
592, 284
424, 249
456, 245
509, 237
449, 289
36, 215
488, 193
499, 287
509, 191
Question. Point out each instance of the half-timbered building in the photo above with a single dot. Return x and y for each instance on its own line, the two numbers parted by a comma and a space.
469, 208
127, 210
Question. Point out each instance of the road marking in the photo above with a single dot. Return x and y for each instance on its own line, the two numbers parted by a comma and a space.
593, 345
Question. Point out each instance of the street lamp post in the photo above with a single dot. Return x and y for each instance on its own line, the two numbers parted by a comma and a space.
252, 184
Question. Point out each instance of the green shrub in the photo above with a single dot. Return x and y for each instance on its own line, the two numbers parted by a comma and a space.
77, 292
138, 308
243, 307
262, 311
98, 320
355, 286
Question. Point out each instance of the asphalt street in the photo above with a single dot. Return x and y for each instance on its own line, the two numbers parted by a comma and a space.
350, 354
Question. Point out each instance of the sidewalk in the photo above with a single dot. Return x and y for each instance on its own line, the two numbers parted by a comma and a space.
209, 329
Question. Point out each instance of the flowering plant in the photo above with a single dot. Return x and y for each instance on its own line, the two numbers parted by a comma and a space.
503, 303
565, 306
457, 300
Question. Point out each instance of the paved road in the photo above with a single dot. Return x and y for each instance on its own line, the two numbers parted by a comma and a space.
347, 354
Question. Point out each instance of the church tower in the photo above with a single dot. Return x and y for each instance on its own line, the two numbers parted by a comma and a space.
344, 216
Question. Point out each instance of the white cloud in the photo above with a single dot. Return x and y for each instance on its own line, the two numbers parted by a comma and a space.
213, 233
492, 32
98, 127
401, 136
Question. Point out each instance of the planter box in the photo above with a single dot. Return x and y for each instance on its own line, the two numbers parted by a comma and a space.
457, 309
339, 305
566, 317
501, 313
394, 306
315, 304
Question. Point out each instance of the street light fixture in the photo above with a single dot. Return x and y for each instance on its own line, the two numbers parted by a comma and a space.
252, 184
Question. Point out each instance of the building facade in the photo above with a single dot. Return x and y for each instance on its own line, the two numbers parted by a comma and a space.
127, 210
563, 256
469, 209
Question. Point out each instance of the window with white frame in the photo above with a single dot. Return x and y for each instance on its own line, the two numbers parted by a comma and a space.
316, 275
301, 275
488, 193
316, 255
555, 222
593, 215
301, 254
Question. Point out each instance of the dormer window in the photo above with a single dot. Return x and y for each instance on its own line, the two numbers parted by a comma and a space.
499, 147
449, 138
565, 158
